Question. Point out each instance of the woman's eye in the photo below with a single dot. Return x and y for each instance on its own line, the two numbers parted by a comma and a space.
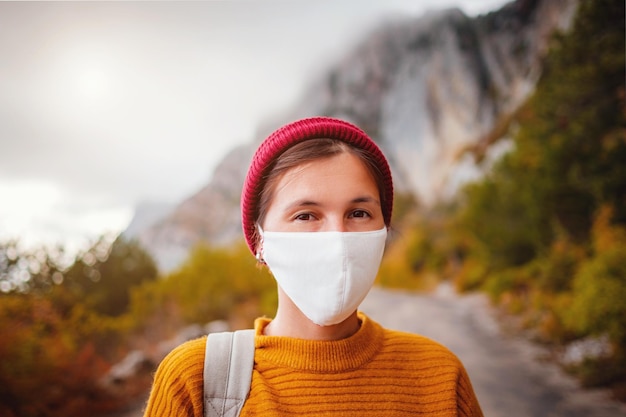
359, 213
303, 217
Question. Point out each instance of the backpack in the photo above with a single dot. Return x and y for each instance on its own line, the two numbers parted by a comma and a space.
228, 363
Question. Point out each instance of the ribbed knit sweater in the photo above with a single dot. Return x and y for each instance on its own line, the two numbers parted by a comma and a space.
375, 372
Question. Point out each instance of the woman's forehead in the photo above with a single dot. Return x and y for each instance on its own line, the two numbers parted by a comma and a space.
342, 175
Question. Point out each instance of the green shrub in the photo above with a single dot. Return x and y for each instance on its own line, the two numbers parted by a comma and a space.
599, 296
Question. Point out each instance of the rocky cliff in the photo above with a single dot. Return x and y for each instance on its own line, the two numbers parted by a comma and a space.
427, 90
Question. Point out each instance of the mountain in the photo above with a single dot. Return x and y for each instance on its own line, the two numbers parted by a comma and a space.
434, 92
146, 214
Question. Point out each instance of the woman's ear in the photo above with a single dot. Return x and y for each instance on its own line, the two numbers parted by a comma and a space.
259, 255
259, 245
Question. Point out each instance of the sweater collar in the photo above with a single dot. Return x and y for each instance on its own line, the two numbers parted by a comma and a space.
320, 356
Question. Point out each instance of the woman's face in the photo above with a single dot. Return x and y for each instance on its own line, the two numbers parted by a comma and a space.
330, 194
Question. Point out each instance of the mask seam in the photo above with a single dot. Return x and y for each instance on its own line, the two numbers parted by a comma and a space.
344, 267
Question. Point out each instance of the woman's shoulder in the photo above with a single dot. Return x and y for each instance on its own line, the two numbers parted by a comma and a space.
178, 382
187, 358
416, 346
190, 346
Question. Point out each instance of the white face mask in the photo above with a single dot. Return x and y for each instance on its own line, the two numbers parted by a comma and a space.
326, 274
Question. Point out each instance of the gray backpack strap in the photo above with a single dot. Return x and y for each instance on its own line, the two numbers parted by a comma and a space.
228, 364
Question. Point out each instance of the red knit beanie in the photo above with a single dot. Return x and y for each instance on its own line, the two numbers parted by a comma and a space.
290, 134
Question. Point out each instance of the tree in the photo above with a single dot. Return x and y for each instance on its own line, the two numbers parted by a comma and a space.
214, 282
539, 224
104, 275
35, 270
569, 149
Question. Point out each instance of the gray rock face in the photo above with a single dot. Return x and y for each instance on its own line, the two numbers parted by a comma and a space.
426, 90
210, 215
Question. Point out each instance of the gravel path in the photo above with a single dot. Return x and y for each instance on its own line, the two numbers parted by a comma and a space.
508, 374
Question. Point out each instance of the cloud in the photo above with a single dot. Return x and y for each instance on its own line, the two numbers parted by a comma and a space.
112, 103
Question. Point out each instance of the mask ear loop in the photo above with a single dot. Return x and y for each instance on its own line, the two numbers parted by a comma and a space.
259, 250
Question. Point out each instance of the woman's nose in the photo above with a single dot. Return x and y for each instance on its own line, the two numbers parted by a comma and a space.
335, 224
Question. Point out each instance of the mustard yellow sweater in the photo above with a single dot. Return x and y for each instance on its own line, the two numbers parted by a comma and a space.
375, 372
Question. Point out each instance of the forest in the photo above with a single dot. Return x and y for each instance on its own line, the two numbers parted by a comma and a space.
543, 234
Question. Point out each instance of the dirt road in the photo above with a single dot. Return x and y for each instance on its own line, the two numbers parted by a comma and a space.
509, 376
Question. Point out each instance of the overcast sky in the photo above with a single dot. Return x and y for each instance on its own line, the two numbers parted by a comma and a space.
104, 105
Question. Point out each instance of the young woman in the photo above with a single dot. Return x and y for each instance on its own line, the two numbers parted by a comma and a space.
316, 206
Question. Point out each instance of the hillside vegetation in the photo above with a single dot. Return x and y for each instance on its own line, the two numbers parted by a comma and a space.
544, 233
63, 327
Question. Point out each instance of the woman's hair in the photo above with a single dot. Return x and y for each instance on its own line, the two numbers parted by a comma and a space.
308, 151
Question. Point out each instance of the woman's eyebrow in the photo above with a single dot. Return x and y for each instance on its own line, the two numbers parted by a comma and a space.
366, 199
313, 203
302, 203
